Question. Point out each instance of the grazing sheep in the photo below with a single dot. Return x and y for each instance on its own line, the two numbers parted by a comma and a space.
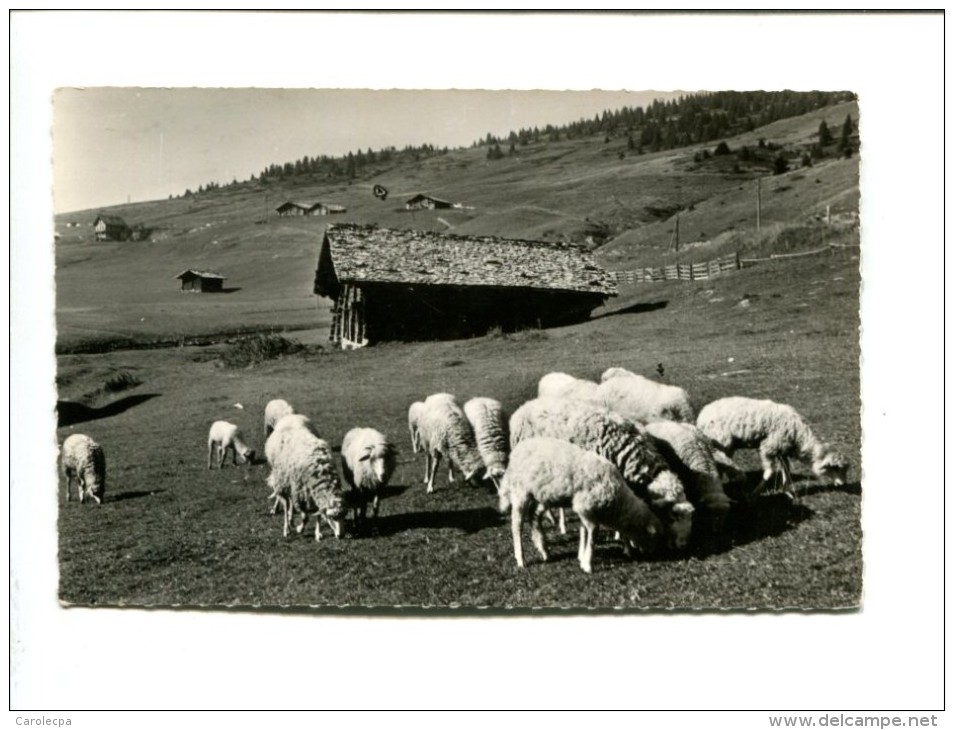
642, 399
368, 460
413, 419
561, 385
690, 454
288, 422
546, 472
305, 480
778, 431
225, 436
274, 411
446, 432
486, 416
84, 460
617, 439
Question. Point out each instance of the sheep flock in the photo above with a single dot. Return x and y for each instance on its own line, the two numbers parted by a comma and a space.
628, 454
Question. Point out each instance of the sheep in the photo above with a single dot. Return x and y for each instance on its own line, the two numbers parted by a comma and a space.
546, 472
368, 460
779, 433
690, 454
305, 480
84, 460
561, 385
274, 411
413, 419
641, 399
617, 439
446, 432
486, 416
225, 436
288, 422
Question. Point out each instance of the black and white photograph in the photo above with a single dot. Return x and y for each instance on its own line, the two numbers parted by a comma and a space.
625, 331
350, 354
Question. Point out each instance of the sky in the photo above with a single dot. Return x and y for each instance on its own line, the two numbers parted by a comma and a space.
113, 144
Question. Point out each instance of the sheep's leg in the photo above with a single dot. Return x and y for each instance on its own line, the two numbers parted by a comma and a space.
304, 520
81, 487
516, 525
317, 527
69, 484
222, 451
435, 462
788, 482
450, 471
287, 520
586, 561
537, 537
562, 521
235, 455
211, 449
375, 504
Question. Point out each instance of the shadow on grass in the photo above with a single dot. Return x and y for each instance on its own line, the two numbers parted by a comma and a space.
136, 494
469, 521
230, 289
70, 412
853, 488
637, 308
752, 520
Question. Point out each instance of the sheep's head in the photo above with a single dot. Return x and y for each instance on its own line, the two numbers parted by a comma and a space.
380, 460
679, 524
495, 473
646, 539
829, 464
248, 456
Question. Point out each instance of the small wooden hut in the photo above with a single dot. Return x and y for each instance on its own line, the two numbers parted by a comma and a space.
201, 281
412, 285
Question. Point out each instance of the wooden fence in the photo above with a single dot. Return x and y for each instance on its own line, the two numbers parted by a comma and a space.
708, 269
681, 272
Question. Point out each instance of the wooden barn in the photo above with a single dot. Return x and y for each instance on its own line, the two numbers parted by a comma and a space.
110, 228
426, 202
201, 281
292, 208
416, 285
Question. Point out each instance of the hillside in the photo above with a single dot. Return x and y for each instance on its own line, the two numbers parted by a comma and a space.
583, 189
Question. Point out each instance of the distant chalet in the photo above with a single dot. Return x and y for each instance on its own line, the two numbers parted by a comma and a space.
418, 285
111, 228
292, 208
201, 281
426, 202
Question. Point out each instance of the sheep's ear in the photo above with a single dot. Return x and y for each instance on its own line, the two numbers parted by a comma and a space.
365, 456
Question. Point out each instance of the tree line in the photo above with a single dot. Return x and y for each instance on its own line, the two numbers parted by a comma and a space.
663, 124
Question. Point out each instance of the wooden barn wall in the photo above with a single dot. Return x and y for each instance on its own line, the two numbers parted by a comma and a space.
382, 312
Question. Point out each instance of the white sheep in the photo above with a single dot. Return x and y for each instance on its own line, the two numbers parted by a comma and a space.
446, 433
690, 454
226, 436
288, 422
545, 473
617, 439
84, 460
274, 411
486, 416
413, 419
641, 399
779, 433
561, 385
305, 480
368, 460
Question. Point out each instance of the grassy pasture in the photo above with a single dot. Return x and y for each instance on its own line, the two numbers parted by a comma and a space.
173, 532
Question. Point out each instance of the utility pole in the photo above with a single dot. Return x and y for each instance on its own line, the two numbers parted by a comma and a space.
758, 206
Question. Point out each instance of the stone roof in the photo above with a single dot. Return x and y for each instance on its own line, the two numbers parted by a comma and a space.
358, 253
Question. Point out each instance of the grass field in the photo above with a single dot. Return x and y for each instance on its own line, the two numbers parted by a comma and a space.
173, 532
